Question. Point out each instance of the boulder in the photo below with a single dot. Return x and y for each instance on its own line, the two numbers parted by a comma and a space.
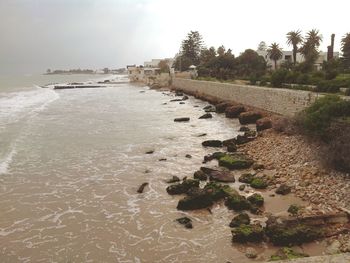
201, 199
258, 183
216, 155
141, 188
210, 109
232, 147
185, 97
200, 175
242, 139
263, 124
244, 129
221, 176
237, 202
179, 93
187, 222
217, 191
221, 107
246, 178
240, 219
234, 111
287, 233
189, 156
235, 161
212, 143
249, 117
229, 141
182, 188
181, 119
206, 116
283, 189
247, 233
241, 187
149, 152
256, 199
174, 179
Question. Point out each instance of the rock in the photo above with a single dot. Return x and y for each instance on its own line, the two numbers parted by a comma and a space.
206, 116
247, 233
249, 117
181, 102
185, 97
258, 166
251, 253
246, 178
210, 109
293, 209
250, 133
255, 210
218, 191
200, 175
242, 139
283, 189
221, 176
256, 199
181, 119
181, 188
142, 187
149, 152
240, 219
162, 159
201, 199
286, 253
175, 100
235, 161
212, 143
174, 179
187, 222
244, 129
179, 93
286, 234
237, 202
229, 141
207, 107
263, 124
188, 156
202, 135
241, 187
234, 111
221, 107
231, 148
258, 183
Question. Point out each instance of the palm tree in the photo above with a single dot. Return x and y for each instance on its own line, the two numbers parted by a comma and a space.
311, 44
345, 48
275, 53
294, 38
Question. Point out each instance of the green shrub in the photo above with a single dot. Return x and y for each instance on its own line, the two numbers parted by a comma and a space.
318, 117
303, 79
278, 77
332, 86
264, 80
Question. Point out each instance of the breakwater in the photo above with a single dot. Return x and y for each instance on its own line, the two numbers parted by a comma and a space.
281, 101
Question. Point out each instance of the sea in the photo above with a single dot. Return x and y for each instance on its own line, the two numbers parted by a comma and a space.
71, 162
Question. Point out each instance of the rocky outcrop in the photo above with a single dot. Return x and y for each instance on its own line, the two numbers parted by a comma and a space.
234, 111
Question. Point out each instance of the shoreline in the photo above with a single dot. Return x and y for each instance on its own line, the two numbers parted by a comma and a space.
291, 160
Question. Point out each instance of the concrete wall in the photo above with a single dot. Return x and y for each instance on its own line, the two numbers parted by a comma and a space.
282, 101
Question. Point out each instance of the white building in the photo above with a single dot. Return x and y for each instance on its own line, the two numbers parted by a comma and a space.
155, 62
288, 56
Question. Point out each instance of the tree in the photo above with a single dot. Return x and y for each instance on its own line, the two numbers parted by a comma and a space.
262, 46
294, 38
345, 48
221, 51
207, 55
190, 51
250, 63
275, 53
164, 66
310, 47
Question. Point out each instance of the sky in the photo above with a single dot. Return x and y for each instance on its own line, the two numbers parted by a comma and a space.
63, 34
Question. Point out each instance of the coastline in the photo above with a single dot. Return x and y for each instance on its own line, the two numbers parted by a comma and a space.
292, 160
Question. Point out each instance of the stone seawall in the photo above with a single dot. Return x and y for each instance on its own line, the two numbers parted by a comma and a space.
281, 101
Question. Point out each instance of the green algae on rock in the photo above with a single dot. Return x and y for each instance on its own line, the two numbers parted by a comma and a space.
256, 199
286, 253
258, 183
240, 219
247, 233
181, 188
235, 161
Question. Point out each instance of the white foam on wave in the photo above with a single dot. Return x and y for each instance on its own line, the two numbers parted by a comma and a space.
5, 162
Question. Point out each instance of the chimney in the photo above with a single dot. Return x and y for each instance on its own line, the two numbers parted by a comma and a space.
330, 49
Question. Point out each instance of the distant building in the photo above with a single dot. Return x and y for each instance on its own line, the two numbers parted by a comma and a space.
288, 56
155, 62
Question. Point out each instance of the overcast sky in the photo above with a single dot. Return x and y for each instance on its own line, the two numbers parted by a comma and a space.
61, 34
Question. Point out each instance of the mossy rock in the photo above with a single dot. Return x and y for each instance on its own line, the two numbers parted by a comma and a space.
235, 161
240, 219
285, 235
293, 209
201, 199
237, 202
287, 253
182, 188
215, 190
247, 233
200, 175
258, 183
283, 189
256, 199
246, 178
